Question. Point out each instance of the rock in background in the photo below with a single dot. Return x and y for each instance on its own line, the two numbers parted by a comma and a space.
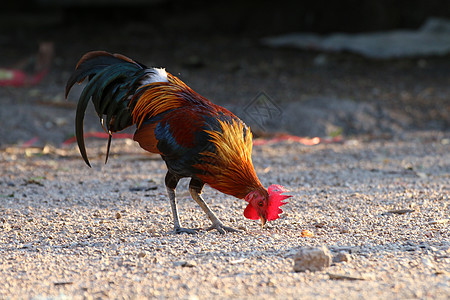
312, 259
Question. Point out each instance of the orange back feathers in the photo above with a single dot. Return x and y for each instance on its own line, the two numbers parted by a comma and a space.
230, 169
158, 97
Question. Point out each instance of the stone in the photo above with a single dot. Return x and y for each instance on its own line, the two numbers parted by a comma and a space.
312, 259
341, 257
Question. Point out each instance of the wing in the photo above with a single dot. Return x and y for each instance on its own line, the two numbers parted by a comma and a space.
179, 136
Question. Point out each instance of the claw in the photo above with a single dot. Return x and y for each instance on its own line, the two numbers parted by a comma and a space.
221, 228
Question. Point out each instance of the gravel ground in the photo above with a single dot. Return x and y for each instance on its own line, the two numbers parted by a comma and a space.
68, 231
381, 196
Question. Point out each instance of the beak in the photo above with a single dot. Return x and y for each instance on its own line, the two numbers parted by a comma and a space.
263, 221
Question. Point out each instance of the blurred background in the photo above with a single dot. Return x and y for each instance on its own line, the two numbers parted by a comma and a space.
346, 71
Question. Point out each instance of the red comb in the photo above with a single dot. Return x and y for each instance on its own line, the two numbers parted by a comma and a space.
275, 201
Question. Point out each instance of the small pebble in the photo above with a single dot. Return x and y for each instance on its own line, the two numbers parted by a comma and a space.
342, 257
186, 264
320, 224
344, 229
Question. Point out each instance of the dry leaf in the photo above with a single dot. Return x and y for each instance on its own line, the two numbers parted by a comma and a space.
307, 233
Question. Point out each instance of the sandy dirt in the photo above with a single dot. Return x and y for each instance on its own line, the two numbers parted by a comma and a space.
70, 231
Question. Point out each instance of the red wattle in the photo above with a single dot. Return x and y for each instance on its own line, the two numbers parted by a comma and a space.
251, 213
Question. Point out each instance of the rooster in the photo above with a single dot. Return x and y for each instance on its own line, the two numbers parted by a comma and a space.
196, 138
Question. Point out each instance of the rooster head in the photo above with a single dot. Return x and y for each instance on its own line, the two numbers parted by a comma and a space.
265, 204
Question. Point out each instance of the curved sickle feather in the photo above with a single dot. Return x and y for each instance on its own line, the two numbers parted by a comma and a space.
79, 118
87, 93
108, 147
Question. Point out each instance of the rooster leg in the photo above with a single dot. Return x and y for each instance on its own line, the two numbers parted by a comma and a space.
171, 183
195, 188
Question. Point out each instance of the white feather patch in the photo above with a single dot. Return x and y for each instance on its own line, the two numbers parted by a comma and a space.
156, 75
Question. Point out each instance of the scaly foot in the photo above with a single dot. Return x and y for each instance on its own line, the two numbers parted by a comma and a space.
179, 230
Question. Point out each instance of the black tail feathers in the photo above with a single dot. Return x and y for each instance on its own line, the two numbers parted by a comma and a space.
113, 79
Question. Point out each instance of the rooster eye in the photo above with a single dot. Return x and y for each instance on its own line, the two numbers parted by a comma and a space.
260, 204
